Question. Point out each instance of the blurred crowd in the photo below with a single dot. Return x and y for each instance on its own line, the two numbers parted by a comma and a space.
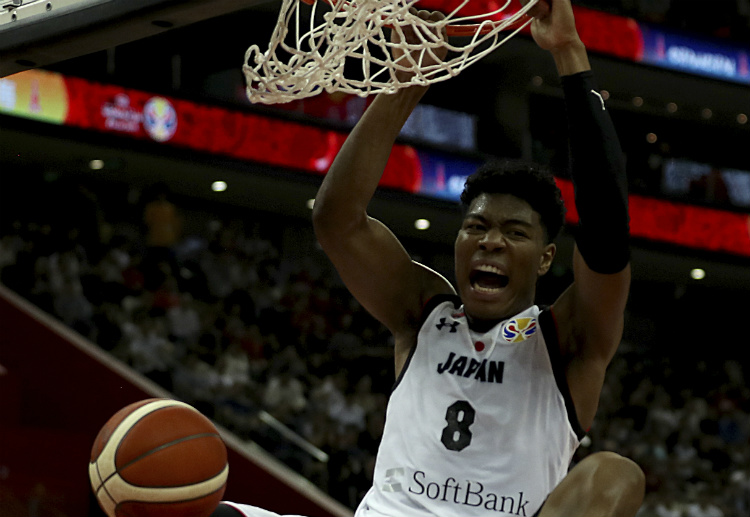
246, 321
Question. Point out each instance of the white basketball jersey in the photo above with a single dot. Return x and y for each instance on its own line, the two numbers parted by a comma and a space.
478, 424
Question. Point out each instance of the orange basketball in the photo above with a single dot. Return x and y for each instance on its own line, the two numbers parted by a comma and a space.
158, 458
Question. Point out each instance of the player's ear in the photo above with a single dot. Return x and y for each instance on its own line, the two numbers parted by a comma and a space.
545, 261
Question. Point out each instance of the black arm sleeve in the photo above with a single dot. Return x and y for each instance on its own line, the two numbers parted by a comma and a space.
598, 171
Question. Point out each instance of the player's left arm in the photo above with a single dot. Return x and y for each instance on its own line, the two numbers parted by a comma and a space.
589, 314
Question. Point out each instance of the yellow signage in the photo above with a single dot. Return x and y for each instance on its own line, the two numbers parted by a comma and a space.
35, 94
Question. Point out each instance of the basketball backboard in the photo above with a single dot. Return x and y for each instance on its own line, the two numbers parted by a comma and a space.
36, 33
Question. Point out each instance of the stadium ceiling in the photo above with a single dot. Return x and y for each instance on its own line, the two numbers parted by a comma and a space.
69, 29
37, 33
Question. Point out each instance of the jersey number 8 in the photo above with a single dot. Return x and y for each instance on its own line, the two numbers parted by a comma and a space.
456, 435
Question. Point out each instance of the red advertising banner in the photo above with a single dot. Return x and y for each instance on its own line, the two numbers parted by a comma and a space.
617, 36
74, 102
218, 131
679, 224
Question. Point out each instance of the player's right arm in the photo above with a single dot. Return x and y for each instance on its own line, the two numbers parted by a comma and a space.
371, 261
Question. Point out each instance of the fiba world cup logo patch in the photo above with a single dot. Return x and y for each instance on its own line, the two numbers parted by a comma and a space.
519, 329
159, 119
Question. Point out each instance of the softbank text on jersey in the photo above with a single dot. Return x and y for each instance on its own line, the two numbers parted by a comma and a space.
468, 493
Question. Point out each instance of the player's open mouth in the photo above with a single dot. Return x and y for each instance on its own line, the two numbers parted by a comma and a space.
487, 279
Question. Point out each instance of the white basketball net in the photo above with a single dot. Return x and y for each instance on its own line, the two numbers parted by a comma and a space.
314, 45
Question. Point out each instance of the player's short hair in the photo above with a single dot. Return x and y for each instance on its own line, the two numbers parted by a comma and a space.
531, 183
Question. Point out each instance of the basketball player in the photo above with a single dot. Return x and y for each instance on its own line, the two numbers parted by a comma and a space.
493, 393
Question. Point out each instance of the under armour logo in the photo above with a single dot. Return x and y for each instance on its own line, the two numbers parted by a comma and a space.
601, 99
443, 323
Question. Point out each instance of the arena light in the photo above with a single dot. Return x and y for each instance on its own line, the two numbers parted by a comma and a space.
96, 165
310, 203
219, 186
697, 274
422, 224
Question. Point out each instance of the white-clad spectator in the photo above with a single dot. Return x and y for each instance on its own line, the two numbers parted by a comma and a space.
195, 379
149, 350
664, 506
233, 367
284, 396
72, 307
183, 320
350, 415
703, 507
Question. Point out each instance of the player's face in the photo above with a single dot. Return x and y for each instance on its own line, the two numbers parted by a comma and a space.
500, 253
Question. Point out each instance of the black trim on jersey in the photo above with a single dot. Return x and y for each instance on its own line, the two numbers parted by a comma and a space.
430, 306
224, 510
403, 370
536, 514
434, 302
549, 331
